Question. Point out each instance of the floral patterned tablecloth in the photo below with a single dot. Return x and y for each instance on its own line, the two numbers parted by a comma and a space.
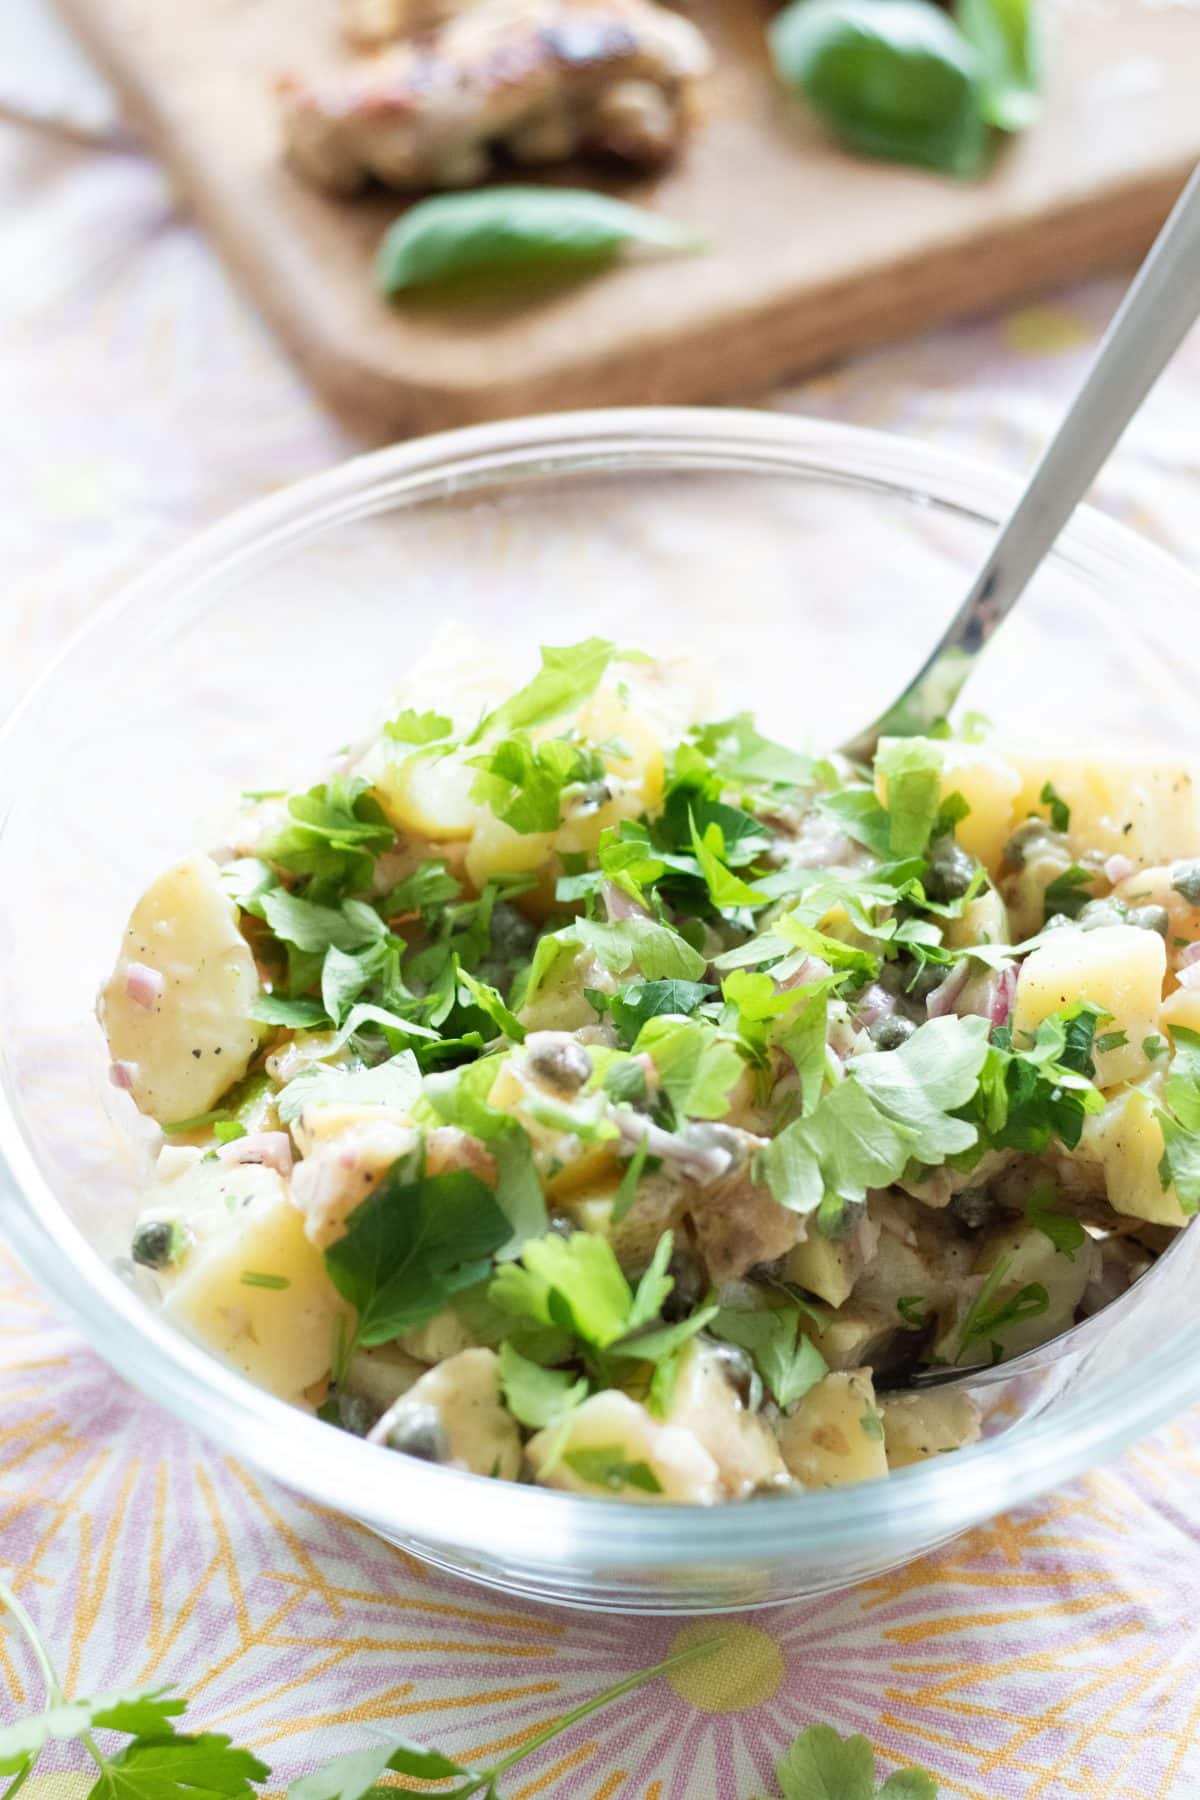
1046, 1656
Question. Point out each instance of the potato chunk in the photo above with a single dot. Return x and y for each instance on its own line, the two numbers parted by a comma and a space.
632, 755
989, 785
424, 792
176, 1008
620, 1451
835, 1435
1127, 1140
347, 1151
829, 1267
1030, 1259
739, 1442
1118, 967
243, 1226
1156, 887
919, 1426
464, 1391
1139, 804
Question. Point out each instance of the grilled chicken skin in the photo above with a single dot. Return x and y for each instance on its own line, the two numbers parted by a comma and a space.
541, 79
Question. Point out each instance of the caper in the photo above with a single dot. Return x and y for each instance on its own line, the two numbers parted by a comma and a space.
415, 1429
891, 1032
1185, 879
155, 1243
690, 1287
951, 871
1034, 833
561, 1225
973, 1207
1098, 914
356, 1413
512, 932
929, 977
739, 1371
775, 1487
558, 1060
1149, 918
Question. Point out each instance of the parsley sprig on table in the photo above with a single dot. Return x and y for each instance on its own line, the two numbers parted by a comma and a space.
157, 1761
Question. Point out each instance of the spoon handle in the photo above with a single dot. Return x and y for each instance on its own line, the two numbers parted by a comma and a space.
1151, 322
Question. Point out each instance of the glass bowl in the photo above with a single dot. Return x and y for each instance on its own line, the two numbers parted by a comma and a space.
809, 565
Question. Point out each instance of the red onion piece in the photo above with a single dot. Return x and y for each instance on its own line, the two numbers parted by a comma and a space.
618, 904
123, 1075
941, 1000
874, 1003
1119, 868
1003, 994
1190, 955
271, 1148
143, 984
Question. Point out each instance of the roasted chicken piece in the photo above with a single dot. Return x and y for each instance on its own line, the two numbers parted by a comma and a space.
539, 79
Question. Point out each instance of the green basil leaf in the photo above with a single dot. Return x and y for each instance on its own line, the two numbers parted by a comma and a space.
498, 228
1005, 34
893, 78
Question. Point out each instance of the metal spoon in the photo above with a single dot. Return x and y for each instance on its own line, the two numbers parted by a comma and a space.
1154, 317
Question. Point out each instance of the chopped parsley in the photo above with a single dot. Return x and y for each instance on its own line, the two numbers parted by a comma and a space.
1060, 812
1068, 893
607, 1466
788, 1361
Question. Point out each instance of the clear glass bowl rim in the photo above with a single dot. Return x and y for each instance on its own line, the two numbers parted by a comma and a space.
507, 1522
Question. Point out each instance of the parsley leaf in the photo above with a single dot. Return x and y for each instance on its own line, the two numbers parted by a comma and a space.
643, 1000
788, 1362
488, 999
606, 1465
1180, 1120
861, 815
986, 1316
1063, 1229
411, 727
921, 1083
820, 1765
395, 1083
537, 1397
416, 1240
333, 833
569, 675
741, 756
573, 1283
656, 951
1060, 812
523, 783
697, 1069
1029, 1096
725, 889
170, 1767
429, 886
576, 1285
912, 775
316, 928
1068, 893
141, 1710
299, 1015
893, 1107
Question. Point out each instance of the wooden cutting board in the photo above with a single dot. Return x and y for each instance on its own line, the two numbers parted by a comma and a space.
813, 253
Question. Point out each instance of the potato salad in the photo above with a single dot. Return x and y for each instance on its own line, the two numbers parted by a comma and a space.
574, 1091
